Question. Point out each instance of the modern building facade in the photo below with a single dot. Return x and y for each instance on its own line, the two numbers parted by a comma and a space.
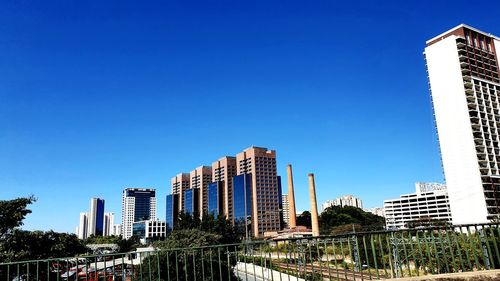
138, 204
429, 204
96, 217
223, 170
215, 198
149, 230
253, 201
242, 198
172, 208
346, 200
192, 201
199, 179
260, 163
462, 66
180, 183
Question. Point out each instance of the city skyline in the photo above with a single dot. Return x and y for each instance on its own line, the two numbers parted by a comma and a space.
97, 98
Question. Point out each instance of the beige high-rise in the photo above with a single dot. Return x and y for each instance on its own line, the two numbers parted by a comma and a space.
223, 170
261, 164
180, 183
200, 178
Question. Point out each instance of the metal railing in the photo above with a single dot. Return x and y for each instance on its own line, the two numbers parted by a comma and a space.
354, 256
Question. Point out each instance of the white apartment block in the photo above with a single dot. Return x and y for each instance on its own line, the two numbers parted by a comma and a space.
286, 210
379, 211
109, 222
117, 230
462, 66
346, 200
429, 203
81, 230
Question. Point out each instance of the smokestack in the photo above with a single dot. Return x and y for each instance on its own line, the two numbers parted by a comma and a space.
314, 206
291, 198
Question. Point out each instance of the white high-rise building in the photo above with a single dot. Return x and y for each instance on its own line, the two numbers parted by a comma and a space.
346, 200
109, 222
81, 230
462, 66
286, 210
138, 204
117, 230
429, 204
379, 211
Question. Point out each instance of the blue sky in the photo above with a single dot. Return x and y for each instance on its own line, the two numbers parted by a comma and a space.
95, 97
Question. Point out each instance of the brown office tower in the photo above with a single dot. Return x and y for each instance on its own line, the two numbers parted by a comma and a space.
314, 206
200, 178
260, 163
223, 170
291, 199
179, 184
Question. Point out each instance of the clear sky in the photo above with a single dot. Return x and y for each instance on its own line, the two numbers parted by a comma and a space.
95, 97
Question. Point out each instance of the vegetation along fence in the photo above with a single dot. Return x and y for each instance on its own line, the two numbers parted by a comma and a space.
354, 256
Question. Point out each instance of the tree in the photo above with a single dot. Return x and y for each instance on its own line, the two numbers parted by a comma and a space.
304, 219
335, 218
177, 257
31, 245
12, 214
17, 244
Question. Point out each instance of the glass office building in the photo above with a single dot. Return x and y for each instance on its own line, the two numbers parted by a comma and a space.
215, 200
242, 199
191, 200
172, 210
138, 204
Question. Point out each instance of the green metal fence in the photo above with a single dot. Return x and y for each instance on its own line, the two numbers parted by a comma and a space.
354, 256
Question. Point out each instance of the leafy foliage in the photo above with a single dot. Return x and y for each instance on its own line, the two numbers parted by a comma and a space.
176, 252
17, 244
338, 220
304, 219
29, 245
12, 214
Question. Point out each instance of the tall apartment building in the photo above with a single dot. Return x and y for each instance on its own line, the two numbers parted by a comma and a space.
82, 229
346, 200
138, 204
96, 217
260, 163
462, 66
199, 179
223, 170
109, 222
286, 210
429, 203
180, 183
